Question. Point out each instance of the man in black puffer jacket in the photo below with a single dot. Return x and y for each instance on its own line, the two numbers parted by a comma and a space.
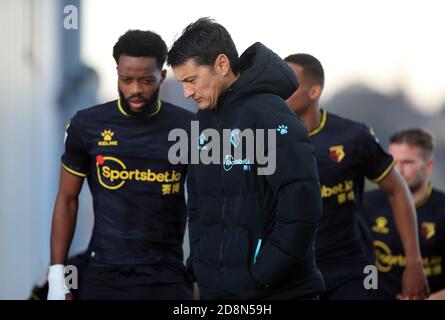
252, 219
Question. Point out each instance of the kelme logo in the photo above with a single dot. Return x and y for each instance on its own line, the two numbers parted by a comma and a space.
107, 139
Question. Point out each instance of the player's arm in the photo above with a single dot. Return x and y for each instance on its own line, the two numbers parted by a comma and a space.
62, 231
64, 216
414, 283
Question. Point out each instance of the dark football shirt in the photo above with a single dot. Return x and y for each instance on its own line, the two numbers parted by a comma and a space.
138, 199
389, 255
346, 152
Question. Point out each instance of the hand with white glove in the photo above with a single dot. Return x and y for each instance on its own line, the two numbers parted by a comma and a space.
57, 289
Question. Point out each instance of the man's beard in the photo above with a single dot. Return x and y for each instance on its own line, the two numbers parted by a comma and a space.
148, 108
415, 186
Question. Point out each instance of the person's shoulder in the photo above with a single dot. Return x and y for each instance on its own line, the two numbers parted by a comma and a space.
266, 103
178, 111
274, 112
438, 196
354, 130
346, 123
438, 202
269, 106
177, 117
438, 193
95, 111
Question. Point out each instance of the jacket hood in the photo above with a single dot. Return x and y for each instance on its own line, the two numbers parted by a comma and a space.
262, 71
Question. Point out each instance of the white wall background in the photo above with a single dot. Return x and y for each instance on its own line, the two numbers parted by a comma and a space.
27, 85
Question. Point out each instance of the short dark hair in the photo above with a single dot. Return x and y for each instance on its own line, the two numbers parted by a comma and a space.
137, 43
203, 41
416, 137
311, 66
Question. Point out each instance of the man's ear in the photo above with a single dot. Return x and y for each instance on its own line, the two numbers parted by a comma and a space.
429, 165
163, 75
222, 64
315, 92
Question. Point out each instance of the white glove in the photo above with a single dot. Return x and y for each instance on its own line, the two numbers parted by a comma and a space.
56, 282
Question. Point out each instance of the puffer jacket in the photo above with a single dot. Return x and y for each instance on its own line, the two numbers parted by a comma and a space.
251, 235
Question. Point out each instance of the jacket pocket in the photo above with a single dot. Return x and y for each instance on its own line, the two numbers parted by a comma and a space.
272, 266
239, 284
257, 250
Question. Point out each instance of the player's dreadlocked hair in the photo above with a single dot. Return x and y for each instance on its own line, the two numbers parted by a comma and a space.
137, 43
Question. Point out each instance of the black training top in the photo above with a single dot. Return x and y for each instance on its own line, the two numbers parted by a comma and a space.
346, 152
138, 198
389, 255
252, 235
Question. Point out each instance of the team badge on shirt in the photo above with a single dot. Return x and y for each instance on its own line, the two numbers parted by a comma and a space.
428, 230
337, 153
380, 225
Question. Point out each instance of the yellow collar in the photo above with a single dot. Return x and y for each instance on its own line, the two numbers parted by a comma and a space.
422, 201
324, 115
157, 108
